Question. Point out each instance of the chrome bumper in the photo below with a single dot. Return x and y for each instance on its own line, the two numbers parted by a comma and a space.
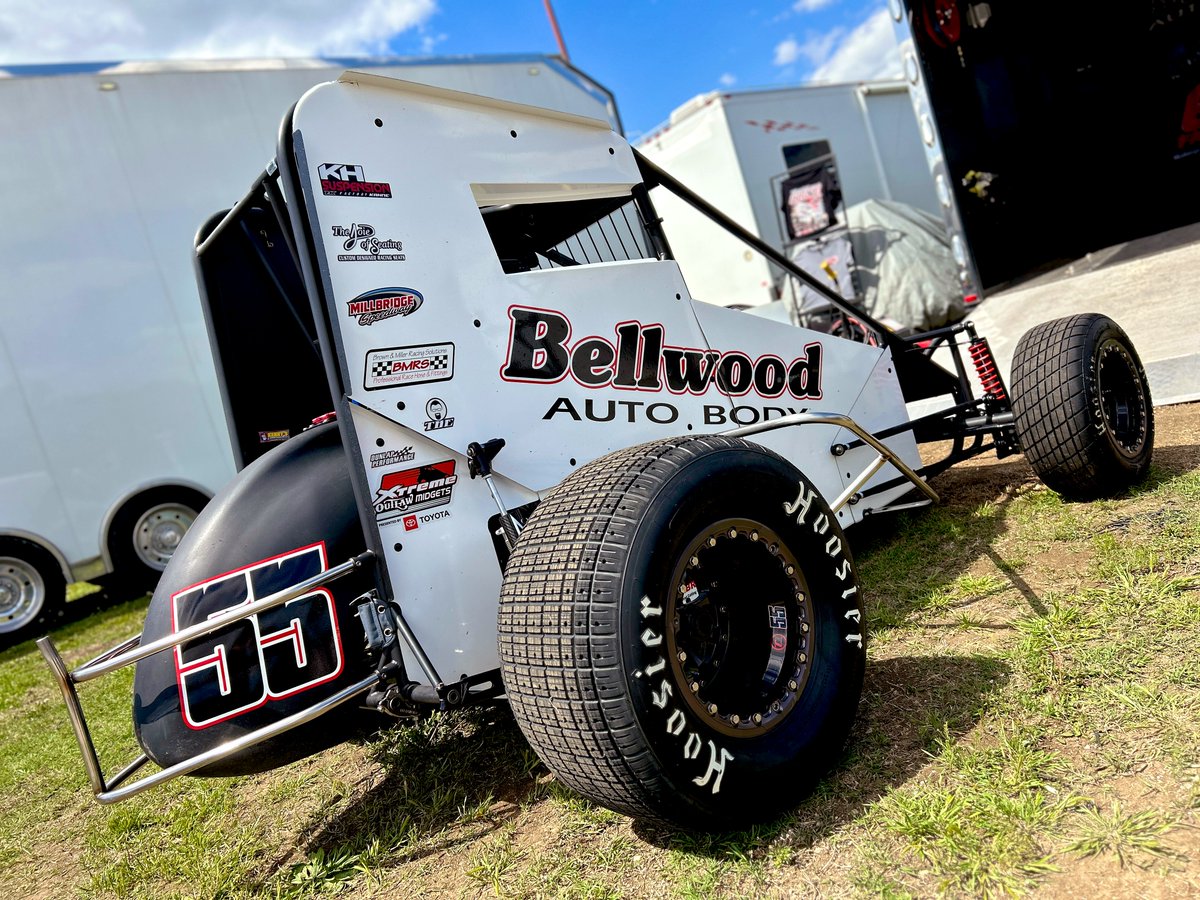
129, 652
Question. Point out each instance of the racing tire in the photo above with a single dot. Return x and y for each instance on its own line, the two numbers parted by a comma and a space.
145, 532
33, 591
1082, 406
680, 633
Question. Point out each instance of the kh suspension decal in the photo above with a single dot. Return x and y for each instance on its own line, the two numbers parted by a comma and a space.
540, 351
384, 303
410, 491
347, 180
390, 367
268, 656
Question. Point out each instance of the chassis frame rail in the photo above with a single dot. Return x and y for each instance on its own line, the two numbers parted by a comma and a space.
128, 652
884, 453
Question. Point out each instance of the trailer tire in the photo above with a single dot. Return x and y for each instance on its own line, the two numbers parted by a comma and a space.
145, 532
33, 590
1082, 406
681, 640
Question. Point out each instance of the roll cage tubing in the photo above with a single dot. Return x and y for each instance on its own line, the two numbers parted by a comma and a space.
967, 418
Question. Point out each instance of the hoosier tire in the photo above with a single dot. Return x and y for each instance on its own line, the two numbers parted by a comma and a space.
1082, 406
681, 635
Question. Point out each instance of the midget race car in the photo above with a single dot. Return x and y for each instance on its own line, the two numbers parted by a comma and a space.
525, 463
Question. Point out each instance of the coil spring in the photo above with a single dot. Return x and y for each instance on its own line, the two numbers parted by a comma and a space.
985, 366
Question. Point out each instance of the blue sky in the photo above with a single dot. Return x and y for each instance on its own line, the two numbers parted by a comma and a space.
654, 55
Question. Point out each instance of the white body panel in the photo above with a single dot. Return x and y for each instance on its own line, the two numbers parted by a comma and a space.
470, 152
728, 147
106, 377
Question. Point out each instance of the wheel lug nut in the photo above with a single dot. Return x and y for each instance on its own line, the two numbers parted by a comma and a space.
800, 596
712, 542
712, 709
775, 706
792, 685
803, 657
754, 535
735, 720
682, 656
694, 561
683, 589
791, 570
695, 686
758, 718
733, 532
804, 627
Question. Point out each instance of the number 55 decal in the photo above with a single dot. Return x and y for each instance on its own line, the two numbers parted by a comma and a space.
269, 656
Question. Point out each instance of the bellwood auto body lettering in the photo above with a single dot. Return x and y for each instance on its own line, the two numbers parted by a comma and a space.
540, 351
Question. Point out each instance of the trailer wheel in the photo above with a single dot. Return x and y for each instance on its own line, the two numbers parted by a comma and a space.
32, 588
145, 532
681, 634
1082, 406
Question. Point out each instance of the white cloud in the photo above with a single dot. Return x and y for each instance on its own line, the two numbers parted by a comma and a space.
816, 49
89, 30
728, 79
787, 52
869, 51
807, 6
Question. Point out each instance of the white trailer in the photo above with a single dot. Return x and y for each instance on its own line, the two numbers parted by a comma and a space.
113, 431
733, 149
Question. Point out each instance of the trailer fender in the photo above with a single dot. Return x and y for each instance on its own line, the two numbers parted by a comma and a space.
283, 519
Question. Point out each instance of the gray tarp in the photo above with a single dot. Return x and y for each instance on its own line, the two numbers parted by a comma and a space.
903, 267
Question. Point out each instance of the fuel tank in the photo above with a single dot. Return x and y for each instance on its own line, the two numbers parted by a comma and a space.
286, 517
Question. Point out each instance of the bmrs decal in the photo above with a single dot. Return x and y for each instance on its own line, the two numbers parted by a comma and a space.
264, 657
540, 351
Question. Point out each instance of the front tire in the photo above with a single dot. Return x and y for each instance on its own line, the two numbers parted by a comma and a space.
1082, 406
681, 634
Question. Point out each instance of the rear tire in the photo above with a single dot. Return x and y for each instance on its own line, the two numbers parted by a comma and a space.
1082, 406
681, 639
33, 590
145, 532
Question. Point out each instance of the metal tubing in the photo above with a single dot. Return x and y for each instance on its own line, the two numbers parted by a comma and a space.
248, 199
653, 175
856, 485
74, 713
123, 775
127, 644
418, 651
217, 622
844, 421
229, 748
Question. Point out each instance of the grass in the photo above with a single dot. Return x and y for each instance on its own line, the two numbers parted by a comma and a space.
1030, 721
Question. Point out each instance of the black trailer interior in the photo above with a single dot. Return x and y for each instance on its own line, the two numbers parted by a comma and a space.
1067, 126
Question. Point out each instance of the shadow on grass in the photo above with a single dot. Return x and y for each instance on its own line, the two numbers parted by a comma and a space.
447, 780
909, 704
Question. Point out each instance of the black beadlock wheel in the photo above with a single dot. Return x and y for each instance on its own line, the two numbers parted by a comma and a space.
1082, 406
681, 635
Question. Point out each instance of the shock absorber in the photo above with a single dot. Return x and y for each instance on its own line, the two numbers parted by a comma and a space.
985, 366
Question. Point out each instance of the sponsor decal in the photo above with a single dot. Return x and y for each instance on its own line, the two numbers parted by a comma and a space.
439, 414
540, 351
632, 411
410, 491
383, 303
374, 249
390, 367
392, 457
274, 437
410, 523
346, 180
265, 657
